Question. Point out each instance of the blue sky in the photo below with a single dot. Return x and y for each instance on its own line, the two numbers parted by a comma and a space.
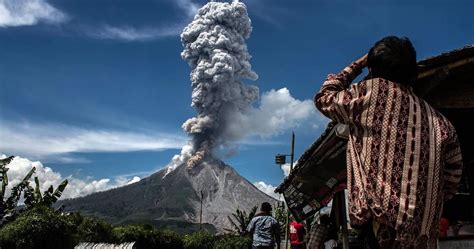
97, 89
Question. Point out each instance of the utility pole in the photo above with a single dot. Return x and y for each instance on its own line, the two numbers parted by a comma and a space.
200, 212
281, 159
291, 169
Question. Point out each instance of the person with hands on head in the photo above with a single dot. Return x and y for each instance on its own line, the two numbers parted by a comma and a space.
403, 156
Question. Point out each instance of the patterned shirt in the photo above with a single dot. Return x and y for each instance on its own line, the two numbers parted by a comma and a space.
265, 230
317, 236
403, 156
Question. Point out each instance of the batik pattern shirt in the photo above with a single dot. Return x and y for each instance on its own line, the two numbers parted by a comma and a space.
403, 156
265, 230
317, 236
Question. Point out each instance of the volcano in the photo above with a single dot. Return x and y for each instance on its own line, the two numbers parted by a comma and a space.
172, 199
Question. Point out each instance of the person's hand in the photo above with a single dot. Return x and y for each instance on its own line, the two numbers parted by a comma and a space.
362, 61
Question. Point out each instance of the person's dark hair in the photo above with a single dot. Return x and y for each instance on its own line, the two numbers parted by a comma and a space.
394, 59
266, 207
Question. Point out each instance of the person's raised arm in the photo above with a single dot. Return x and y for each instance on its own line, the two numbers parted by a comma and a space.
335, 100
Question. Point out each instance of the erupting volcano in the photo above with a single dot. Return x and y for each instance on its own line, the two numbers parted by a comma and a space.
215, 48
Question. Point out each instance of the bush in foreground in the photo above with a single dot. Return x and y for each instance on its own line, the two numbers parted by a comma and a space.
233, 242
146, 237
94, 230
199, 240
38, 228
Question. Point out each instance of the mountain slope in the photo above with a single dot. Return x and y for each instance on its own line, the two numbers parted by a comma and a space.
174, 200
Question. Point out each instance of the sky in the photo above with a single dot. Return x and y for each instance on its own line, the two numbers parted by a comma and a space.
97, 91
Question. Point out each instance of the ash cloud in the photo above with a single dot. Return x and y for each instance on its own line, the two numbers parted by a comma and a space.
215, 49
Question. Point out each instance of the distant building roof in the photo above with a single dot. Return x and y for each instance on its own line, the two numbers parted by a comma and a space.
446, 81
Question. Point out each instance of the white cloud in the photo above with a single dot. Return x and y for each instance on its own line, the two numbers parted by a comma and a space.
53, 140
286, 168
127, 33
134, 180
188, 6
28, 12
76, 187
278, 112
268, 189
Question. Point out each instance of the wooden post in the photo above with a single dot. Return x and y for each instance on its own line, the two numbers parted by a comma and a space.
341, 217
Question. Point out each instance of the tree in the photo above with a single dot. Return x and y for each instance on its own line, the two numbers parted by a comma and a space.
33, 197
38, 228
240, 220
9, 205
94, 230
145, 236
280, 215
199, 240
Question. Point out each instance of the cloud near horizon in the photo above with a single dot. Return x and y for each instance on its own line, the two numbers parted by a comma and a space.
278, 112
268, 189
128, 33
149, 33
15, 13
39, 141
19, 167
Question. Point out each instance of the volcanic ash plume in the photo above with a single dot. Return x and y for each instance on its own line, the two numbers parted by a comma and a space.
214, 46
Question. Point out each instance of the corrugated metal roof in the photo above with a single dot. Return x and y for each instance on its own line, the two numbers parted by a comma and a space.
88, 245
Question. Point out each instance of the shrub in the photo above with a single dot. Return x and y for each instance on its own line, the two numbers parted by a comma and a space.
199, 240
146, 237
169, 239
40, 227
233, 242
94, 230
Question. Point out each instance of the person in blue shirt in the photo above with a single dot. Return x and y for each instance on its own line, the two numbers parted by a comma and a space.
264, 228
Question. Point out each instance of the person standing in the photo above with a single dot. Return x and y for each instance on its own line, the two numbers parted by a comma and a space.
318, 234
265, 229
403, 156
297, 235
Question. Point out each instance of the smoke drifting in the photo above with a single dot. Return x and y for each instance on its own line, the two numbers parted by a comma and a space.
215, 49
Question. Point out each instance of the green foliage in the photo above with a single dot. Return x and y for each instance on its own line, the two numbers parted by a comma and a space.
37, 228
3, 174
199, 240
170, 239
240, 220
147, 237
8, 206
94, 230
233, 242
280, 214
33, 197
